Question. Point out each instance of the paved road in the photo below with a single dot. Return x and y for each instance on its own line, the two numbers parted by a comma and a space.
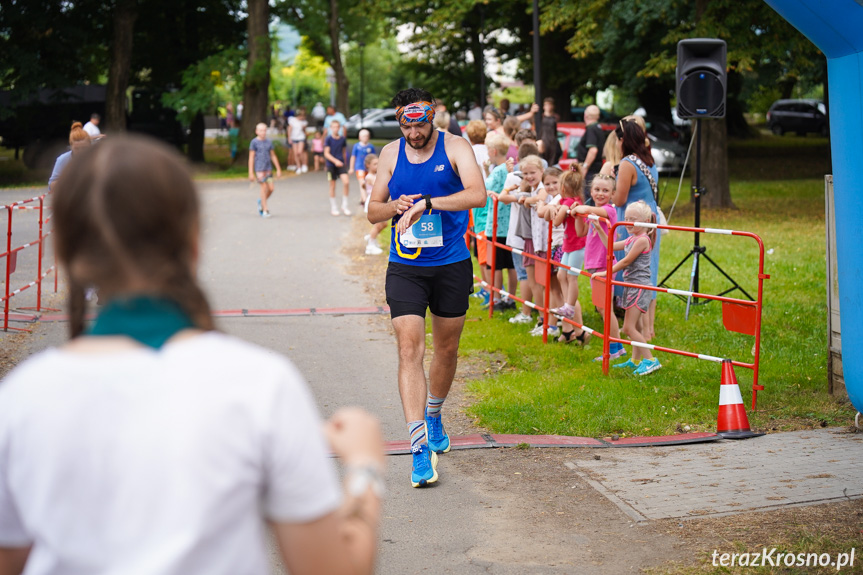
482, 517
296, 259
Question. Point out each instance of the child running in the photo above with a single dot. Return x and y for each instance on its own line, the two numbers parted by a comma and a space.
336, 154
318, 149
594, 250
358, 161
262, 156
370, 163
571, 186
636, 270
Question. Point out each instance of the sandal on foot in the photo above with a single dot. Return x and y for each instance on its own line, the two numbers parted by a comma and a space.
567, 336
583, 338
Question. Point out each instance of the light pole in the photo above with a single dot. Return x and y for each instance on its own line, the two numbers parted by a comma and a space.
362, 81
537, 88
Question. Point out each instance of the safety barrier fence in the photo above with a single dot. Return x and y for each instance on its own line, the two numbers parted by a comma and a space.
11, 257
738, 315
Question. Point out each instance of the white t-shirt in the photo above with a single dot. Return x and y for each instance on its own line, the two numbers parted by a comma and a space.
298, 129
92, 129
168, 462
481, 153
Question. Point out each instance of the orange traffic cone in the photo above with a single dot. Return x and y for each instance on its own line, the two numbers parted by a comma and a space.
732, 422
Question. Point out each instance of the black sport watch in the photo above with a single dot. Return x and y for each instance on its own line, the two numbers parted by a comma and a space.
427, 198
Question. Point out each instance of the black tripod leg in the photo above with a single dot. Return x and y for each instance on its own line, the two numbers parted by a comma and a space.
729, 278
677, 267
692, 277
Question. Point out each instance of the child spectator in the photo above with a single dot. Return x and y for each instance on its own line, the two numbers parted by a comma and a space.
511, 127
336, 154
262, 156
358, 161
530, 229
476, 132
494, 185
318, 149
513, 181
595, 250
370, 163
571, 191
546, 211
636, 270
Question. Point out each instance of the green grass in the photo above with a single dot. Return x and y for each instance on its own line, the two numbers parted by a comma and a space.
804, 544
534, 388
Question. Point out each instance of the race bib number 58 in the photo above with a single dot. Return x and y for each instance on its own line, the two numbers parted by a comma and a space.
426, 232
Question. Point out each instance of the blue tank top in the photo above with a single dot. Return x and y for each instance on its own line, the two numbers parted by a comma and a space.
436, 178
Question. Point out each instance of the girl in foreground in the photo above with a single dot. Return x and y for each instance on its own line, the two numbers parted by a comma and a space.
636, 270
150, 442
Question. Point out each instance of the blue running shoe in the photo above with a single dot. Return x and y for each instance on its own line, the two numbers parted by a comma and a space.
423, 471
260, 209
628, 364
647, 366
437, 437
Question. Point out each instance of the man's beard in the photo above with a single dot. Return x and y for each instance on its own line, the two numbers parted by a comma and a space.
424, 142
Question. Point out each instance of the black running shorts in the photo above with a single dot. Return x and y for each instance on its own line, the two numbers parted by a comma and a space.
444, 290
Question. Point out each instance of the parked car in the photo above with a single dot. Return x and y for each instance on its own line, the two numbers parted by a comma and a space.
380, 123
667, 156
800, 116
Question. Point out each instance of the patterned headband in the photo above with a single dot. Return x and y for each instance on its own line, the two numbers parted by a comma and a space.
415, 113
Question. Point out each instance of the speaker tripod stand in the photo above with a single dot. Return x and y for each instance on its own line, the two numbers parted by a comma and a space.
698, 251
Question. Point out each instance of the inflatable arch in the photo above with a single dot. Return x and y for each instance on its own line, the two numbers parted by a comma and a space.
836, 27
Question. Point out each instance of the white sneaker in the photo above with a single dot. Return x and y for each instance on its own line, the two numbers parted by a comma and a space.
536, 331
345, 210
304, 169
334, 211
265, 214
373, 250
520, 318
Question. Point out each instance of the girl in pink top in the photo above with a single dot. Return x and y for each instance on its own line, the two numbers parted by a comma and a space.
595, 252
571, 191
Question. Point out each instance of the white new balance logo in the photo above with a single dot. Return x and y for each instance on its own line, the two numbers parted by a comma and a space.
438, 168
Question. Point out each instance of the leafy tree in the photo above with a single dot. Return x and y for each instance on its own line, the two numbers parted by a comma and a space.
257, 78
304, 82
47, 44
380, 60
326, 25
200, 94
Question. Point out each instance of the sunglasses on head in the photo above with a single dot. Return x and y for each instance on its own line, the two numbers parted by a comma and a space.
619, 133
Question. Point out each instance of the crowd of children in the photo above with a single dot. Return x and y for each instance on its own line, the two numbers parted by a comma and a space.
527, 197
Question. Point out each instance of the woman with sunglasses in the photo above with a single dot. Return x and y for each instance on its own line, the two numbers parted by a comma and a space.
637, 177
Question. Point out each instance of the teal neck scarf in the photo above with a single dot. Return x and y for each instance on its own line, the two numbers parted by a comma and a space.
150, 320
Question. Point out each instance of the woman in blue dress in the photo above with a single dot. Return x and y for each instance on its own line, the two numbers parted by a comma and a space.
636, 180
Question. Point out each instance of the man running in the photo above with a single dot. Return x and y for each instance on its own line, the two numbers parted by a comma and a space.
427, 188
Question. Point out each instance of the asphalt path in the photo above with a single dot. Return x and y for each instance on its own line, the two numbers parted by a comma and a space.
300, 258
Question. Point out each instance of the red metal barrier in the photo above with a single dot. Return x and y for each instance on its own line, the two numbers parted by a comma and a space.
11, 255
738, 315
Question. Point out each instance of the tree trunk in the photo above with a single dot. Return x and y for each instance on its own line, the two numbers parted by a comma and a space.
714, 165
195, 144
714, 154
342, 83
655, 97
735, 121
257, 81
125, 15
